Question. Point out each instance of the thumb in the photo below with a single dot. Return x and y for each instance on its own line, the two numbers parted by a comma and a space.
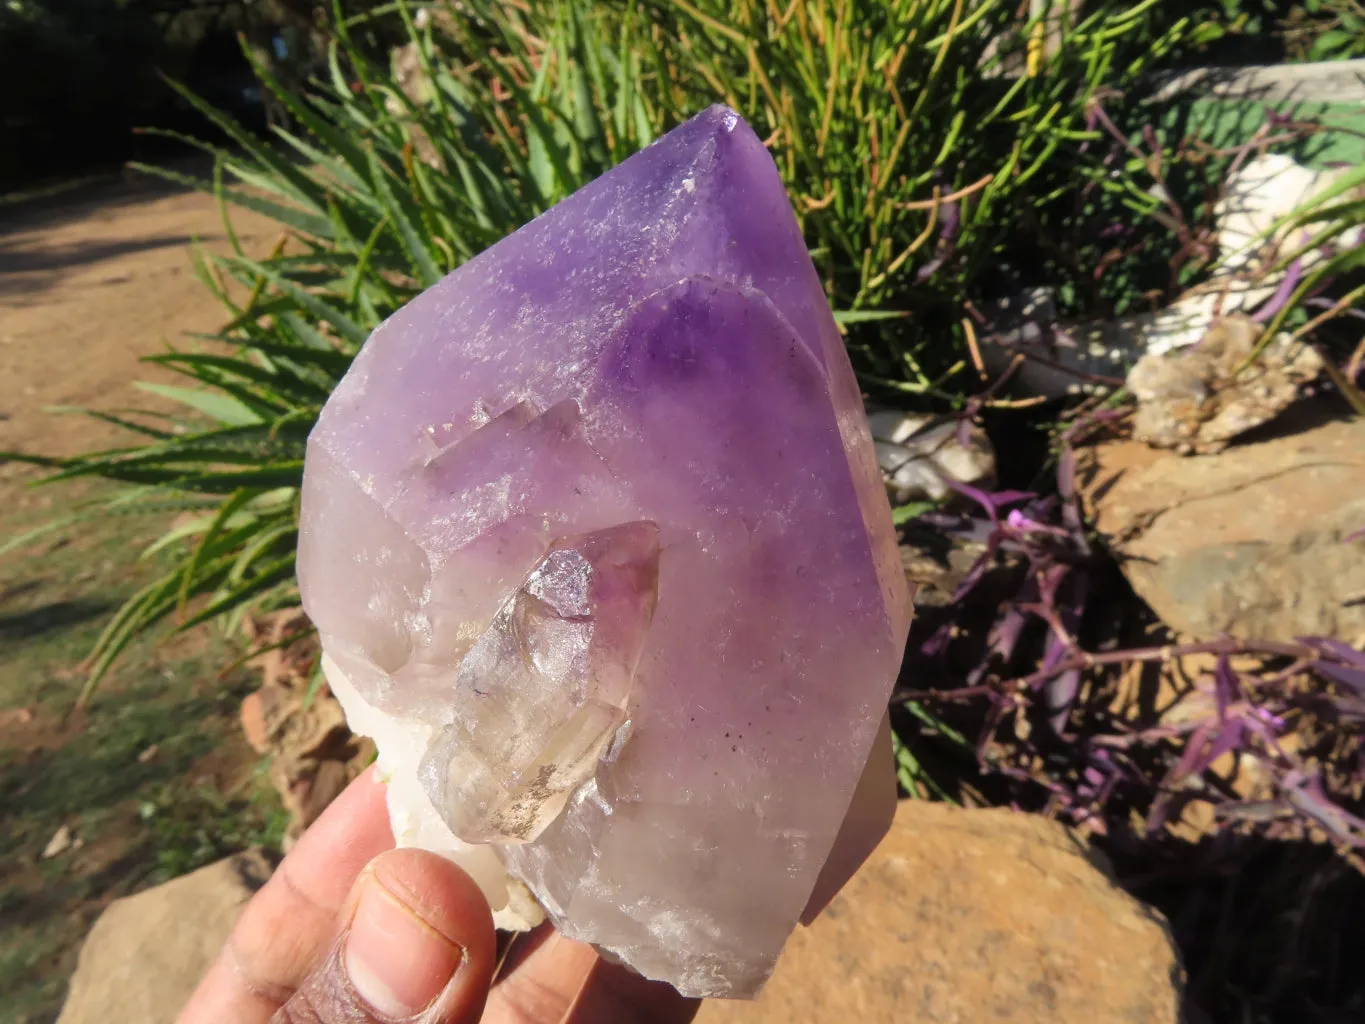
416, 944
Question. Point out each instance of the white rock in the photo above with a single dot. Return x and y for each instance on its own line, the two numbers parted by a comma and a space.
1262, 194
921, 456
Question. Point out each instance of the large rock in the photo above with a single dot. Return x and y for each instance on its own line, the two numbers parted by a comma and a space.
146, 953
960, 916
963, 917
1251, 541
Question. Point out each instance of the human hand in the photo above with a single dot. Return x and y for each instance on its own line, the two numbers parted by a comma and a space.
351, 931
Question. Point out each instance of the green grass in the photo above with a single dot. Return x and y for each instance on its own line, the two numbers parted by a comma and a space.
140, 820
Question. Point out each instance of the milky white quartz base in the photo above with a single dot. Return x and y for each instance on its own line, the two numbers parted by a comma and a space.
415, 823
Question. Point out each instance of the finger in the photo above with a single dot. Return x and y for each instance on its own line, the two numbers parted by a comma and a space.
553, 980
292, 921
418, 946
615, 993
540, 979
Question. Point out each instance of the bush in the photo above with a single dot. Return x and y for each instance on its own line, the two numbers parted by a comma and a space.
80, 76
1325, 30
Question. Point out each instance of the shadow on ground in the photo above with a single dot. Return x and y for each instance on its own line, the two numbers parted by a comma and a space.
72, 199
1269, 931
47, 617
150, 783
24, 260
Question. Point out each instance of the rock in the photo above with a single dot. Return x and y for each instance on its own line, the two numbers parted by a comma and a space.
255, 722
1178, 693
645, 433
1071, 357
1199, 399
405, 67
1016, 50
287, 644
969, 916
313, 755
1336, 81
1249, 542
146, 953
936, 564
922, 456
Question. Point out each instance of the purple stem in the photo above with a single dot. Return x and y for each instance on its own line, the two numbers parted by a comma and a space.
992, 503
1282, 293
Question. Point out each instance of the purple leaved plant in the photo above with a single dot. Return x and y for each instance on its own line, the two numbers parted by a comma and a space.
1022, 643
1291, 713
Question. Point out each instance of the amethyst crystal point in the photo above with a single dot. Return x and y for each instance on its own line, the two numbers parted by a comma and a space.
595, 538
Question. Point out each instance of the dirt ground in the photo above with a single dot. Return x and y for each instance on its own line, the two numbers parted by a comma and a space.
154, 778
90, 282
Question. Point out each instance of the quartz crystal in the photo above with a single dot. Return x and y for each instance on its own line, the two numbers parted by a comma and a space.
595, 539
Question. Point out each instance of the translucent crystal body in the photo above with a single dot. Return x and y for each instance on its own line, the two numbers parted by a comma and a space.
539, 696
596, 541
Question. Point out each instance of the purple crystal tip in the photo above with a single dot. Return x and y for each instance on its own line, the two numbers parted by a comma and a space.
594, 536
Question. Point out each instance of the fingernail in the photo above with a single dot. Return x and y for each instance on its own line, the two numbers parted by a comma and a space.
397, 962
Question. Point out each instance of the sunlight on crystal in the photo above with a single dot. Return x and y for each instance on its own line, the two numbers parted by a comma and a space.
595, 539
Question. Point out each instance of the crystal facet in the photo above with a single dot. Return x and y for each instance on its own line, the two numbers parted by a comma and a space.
595, 537
539, 696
